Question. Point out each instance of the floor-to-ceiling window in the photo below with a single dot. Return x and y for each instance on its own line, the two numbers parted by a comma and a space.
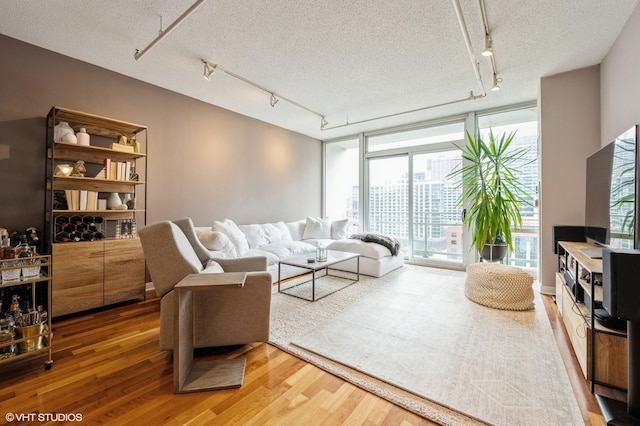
395, 181
342, 181
524, 122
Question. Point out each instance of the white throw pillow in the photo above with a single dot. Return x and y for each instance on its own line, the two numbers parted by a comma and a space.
285, 235
255, 235
216, 241
234, 233
317, 228
339, 229
296, 229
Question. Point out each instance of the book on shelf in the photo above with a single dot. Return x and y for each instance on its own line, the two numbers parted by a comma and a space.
73, 199
80, 199
102, 174
121, 147
115, 170
92, 200
83, 199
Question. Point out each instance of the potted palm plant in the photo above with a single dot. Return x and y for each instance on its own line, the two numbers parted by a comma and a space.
491, 193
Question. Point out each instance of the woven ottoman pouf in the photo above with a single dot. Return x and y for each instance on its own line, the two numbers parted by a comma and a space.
499, 286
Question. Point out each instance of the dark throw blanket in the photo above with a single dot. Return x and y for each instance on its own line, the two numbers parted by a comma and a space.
389, 242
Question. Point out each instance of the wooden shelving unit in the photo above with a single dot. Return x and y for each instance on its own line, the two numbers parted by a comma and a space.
105, 270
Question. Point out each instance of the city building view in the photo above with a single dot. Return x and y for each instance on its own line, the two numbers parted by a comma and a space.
412, 198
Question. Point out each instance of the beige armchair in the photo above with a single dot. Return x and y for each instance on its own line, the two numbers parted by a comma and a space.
225, 315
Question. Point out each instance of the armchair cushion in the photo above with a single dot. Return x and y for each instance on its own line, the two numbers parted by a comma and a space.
187, 228
168, 263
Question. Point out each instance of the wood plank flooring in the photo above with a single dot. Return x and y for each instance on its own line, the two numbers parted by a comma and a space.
108, 369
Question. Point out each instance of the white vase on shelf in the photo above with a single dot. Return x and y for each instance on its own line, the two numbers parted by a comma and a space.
113, 201
83, 137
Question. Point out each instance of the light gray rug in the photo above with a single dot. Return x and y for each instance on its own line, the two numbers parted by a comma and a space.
413, 338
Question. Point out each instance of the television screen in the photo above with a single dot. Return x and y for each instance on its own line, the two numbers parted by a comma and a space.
597, 198
622, 201
611, 192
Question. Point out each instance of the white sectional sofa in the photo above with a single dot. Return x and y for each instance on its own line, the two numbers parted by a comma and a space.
278, 241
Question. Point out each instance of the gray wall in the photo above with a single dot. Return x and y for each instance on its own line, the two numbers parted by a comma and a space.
203, 161
569, 132
620, 82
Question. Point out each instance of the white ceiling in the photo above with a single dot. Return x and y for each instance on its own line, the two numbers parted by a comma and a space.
348, 60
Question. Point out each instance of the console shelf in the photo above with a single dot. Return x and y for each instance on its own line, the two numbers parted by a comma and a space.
601, 351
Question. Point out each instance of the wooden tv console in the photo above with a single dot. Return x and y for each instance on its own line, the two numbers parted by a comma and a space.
601, 351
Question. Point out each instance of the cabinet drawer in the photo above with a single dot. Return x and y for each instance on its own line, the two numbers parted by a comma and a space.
124, 271
78, 269
576, 329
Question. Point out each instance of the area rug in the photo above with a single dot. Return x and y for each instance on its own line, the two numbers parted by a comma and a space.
412, 337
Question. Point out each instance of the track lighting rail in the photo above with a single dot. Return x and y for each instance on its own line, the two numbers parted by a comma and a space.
138, 53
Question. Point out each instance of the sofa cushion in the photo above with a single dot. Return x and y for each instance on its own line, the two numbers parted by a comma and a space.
278, 232
319, 242
234, 233
258, 235
296, 229
371, 250
286, 249
339, 229
316, 228
271, 258
255, 234
216, 241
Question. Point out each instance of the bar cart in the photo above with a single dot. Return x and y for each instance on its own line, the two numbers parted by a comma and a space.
25, 323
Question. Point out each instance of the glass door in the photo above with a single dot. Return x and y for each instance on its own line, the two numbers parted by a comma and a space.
436, 218
411, 198
388, 198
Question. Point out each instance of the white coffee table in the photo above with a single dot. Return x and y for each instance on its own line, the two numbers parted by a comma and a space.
333, 257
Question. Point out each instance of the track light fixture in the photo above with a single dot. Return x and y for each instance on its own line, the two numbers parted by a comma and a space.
496, 83
208, 70
488, 46
274, 100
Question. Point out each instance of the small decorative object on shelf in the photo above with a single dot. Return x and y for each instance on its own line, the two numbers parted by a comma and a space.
7, 252
126, 228
79, 169
62, 132
113, 201
63, 170
83, 137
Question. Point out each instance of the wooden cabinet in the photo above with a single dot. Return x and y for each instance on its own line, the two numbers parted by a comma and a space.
601, 351
95, 262
94, 274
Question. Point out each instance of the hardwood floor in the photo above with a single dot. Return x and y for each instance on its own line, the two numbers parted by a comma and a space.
108, 369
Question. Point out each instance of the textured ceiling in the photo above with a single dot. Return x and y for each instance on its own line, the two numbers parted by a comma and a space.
348, 60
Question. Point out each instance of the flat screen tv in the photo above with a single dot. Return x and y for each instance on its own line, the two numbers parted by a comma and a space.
611, 193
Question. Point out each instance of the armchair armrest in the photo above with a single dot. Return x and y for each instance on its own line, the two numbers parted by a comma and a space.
244, 264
